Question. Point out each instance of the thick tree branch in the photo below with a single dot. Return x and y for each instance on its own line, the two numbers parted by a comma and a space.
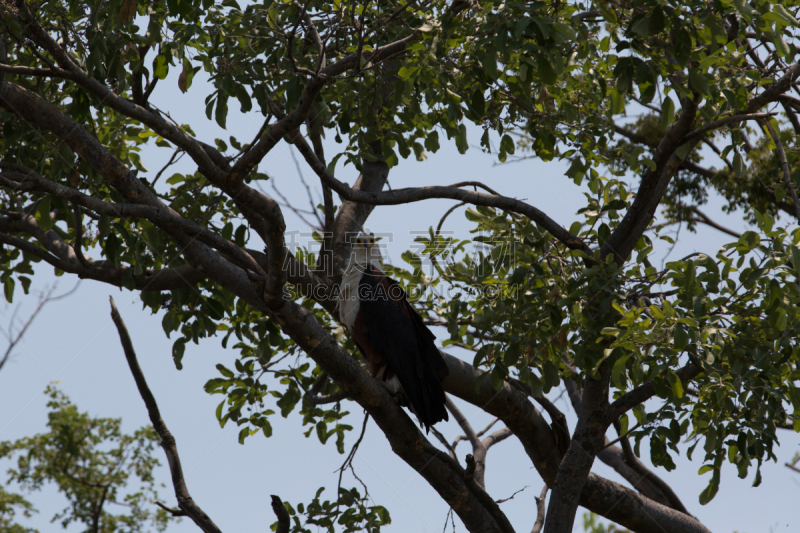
208, 159
646, 391
696, 134
653, 186
416, 194
601, 496
587, 440
158, 215
478, 466
61, 255
185, 500
774, 90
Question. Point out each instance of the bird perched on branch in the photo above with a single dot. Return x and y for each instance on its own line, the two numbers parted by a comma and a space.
391, 336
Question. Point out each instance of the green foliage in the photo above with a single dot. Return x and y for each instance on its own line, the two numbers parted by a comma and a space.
10, 505
548, 81
528, 310
351, 511
93, 464
593, 524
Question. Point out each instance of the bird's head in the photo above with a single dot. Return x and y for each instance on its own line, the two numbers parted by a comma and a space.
365, 250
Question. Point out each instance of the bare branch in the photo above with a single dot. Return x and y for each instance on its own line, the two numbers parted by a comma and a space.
416, 194
185, 501
504, 500
705, 128
498, 436
441, 438
283, 515
476, 462
170, 510
463, 422
540, 511
13, 339
707, 221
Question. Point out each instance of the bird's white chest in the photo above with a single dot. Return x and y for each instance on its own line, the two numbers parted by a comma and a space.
349, 304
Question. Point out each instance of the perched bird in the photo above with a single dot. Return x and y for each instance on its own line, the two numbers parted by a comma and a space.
391, 336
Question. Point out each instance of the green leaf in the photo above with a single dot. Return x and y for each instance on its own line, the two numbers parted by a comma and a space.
221, 111
683, 150
796, 259
160, 66
507, 144
677, 386
489, 62
178, 348
680, 338
186, 77
566, 30
432, 142
780, 46
738, 164
617, 101
545, 69
642, 26
42, 215
461, 139
477, 102
710, 491
667, 112
704, 469
699, 82
8, 289
618, 371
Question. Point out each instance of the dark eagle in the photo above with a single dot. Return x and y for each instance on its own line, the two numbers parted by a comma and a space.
391, 336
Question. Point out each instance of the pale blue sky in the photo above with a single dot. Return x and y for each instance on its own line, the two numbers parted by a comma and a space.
74, 342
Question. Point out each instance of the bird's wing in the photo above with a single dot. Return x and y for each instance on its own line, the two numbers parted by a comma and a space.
397, 331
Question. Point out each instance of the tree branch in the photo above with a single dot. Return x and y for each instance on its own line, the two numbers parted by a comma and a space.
416, 194
283, 515
477, 467
646, 391
185, 500
540, 511
634, 462
606, 498
652, 188
695, 134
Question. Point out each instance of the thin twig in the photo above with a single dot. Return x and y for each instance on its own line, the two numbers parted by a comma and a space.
44, 300
504, 500
349, 460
